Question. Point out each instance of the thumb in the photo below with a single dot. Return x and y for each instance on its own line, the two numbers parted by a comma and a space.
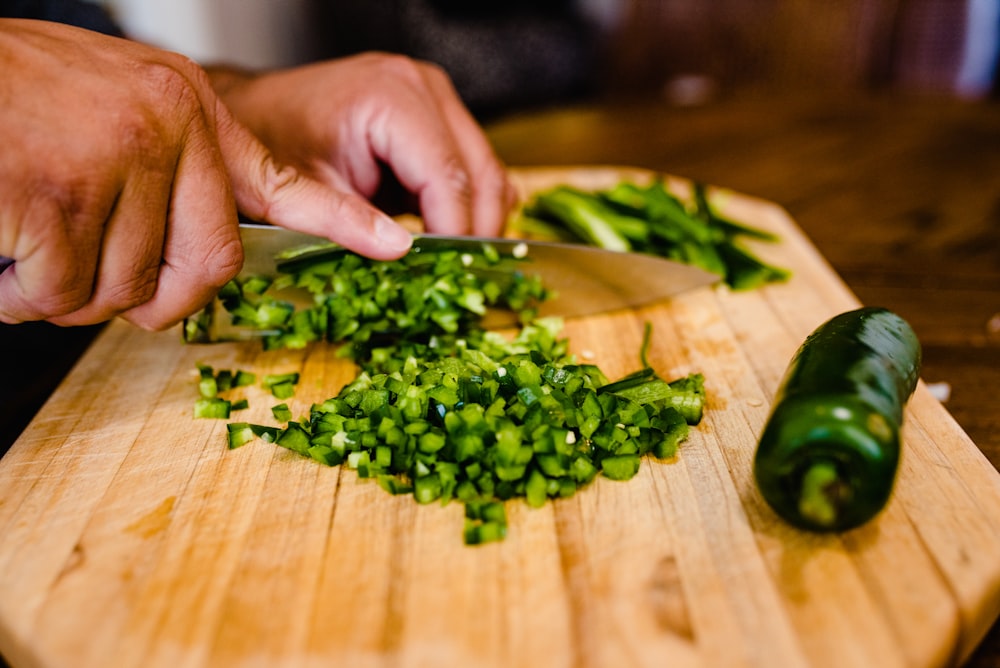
279, 194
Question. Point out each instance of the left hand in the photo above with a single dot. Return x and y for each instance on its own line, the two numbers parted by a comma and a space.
341, 121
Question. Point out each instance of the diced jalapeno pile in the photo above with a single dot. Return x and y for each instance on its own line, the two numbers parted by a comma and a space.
491, 422
360, 301
443, 409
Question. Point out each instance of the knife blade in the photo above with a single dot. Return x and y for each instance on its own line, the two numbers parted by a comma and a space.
584, 279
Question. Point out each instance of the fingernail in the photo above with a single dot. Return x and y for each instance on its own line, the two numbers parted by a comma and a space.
391, 235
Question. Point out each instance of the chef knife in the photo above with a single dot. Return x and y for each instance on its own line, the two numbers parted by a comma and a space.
585, 279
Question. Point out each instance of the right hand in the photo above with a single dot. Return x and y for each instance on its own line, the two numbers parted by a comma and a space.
120, 178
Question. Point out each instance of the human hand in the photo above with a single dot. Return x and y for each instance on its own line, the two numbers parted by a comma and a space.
342, 120
120, 178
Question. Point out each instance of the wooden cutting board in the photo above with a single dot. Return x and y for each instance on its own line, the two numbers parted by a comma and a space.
131, 536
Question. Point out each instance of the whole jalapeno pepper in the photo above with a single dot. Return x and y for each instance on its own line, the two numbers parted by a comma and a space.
828, 455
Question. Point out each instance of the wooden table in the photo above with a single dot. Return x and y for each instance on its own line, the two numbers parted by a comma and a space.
900, 194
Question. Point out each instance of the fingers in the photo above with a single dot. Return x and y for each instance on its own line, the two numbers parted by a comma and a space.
223, 167
284, 196
201, 249
53, 272
130, 251
437, 151
343, 121
163, 247
492, 194
137, 217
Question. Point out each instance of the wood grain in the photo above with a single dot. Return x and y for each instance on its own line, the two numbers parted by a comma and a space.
130, 536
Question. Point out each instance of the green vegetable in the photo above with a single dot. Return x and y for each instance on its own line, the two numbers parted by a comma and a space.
484, 522
241, 433
281, 385
211, 383
649, 219
208, 386
587, 217
485, 419
482, 419
445, 410
361, 301
827, 457
213, 407
281, 413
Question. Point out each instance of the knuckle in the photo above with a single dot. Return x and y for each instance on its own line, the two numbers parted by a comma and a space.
142, 136
278, 178
277, 182
136, 290
171, 102
435, 71
223, 260
492, 180
456, 177
170, 83
53, 202
44, 234
405, 68
66, 298
61, 296
148, 126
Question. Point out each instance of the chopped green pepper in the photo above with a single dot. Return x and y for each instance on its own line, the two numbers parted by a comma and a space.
485, 419
362, 301
213, 407
445, 410
281, 412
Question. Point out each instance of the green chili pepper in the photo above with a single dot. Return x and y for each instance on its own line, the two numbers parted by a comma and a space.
650, 219
828, 455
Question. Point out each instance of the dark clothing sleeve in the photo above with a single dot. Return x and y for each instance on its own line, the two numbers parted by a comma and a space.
73, 12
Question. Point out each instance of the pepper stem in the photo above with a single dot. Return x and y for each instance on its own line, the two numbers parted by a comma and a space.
822, 493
